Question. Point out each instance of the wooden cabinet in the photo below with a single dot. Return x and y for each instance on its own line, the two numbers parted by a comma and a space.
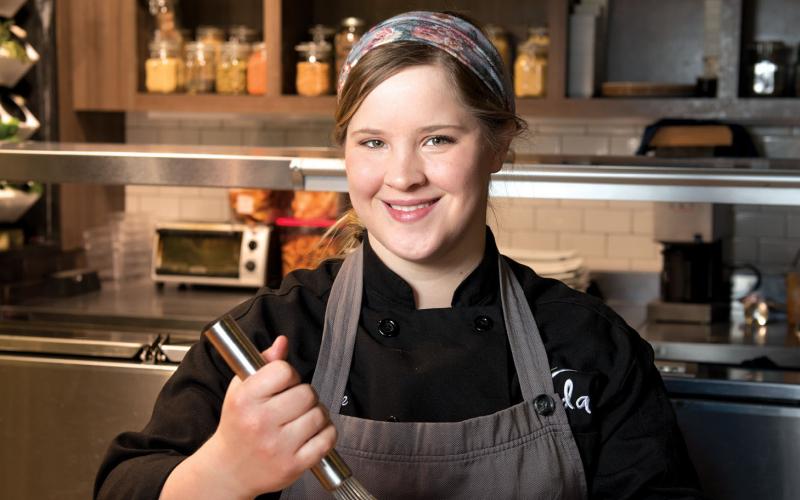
108, 42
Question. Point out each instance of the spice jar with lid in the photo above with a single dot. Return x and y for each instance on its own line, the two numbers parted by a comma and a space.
530, 67
313, 68
200, 68
164, 68
257, 70
499, 38
232, 68
350, 32
211, 35
768, 68
241, 34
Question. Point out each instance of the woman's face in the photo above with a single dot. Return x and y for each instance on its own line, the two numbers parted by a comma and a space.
418, 168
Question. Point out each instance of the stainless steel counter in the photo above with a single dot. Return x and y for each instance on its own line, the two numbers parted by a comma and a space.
716, 180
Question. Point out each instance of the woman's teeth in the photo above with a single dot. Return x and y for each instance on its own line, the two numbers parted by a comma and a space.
411, 208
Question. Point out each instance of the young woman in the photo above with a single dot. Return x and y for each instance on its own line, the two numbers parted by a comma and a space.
448, 370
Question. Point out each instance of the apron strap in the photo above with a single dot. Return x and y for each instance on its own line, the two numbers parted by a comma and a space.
527, 348
336, 348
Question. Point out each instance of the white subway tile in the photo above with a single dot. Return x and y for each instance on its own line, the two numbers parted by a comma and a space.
646, 266
624, 146
179, 136
138, 190
218, 193
778, 251
583, 203
141, 135
177, 191
134, 119
241, 122
793, 226
760, 131
584, 145
539, 144
131, 203
515, 217
534, 240
745, 249
214, 137
607, 264
607, 221
632, 247
593, 245
559, 219
561, 129
759, 224
632, 205
781, 147
201, 122
162, 209
203, 209
643, 222
612, 129
307, 137
162, 119
264, 138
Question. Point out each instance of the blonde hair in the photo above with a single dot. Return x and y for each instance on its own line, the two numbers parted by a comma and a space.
499, 124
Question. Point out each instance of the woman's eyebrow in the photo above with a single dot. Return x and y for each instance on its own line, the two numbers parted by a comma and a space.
368, 131
432, 128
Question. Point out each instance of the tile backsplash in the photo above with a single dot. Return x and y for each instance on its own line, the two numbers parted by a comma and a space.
610, 235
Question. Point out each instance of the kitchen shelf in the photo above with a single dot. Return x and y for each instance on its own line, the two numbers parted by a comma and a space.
245, 104
712, 180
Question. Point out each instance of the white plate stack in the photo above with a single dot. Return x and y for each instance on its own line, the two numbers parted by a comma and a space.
563, 265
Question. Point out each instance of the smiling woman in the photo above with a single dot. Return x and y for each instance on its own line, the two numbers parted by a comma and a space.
448, 370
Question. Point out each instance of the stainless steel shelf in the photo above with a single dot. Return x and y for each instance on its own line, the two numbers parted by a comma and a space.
715, 180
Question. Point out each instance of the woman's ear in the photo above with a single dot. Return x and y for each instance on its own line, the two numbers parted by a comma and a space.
500, 152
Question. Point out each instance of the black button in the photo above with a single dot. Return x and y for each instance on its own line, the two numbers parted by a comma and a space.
250, 265
544, 405
482, 324
391, 418
388, 327
252, 245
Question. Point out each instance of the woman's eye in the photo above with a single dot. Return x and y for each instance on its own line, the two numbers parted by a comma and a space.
439, 140
373, 143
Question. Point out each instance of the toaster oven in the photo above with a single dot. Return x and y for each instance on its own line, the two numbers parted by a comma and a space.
215, 254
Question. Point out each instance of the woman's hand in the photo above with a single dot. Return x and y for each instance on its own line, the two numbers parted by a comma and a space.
271, 430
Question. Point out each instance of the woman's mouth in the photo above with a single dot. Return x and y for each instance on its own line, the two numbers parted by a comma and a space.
409, 211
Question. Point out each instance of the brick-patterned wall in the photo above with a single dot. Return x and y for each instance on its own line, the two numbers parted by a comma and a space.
611, 235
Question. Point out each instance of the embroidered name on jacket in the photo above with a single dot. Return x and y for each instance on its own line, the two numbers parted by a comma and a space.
576, 390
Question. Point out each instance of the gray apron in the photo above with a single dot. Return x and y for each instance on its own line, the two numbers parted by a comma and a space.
525, 451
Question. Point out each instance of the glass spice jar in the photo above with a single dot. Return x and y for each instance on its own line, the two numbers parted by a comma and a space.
530, 67
257, 70
232, 69
351, 31
164, 68
768, 68
200, 68
499, 39
313, 69
241, 34
211, 35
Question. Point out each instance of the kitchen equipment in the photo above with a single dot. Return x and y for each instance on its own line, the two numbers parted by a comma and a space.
16, 55
120, 249
244, 359
211, 254
767, 70
17, 121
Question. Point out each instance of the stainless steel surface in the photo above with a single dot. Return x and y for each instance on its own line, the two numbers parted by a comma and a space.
70, 346
724, 343
683, 312
743, 436
134, 305
244, 359
57, 417
714, 180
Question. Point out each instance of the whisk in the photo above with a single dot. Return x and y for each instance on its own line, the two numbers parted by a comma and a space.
244, 359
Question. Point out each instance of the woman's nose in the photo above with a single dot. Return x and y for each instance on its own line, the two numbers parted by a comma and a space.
405, 171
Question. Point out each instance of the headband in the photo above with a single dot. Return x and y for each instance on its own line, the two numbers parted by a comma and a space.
459, 38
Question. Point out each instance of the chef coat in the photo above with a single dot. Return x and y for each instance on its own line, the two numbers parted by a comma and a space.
434, 365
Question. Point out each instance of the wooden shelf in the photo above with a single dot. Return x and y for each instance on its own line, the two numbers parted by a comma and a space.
213, 103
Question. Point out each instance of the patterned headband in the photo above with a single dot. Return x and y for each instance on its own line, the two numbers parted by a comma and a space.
451, 34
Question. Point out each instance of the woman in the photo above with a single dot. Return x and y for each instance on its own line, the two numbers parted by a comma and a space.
448, 370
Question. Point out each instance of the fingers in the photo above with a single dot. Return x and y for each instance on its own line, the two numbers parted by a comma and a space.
313, 450
271, 380
279, 350
292, 403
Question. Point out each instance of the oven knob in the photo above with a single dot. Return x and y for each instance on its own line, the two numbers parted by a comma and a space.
252, 245
250, 265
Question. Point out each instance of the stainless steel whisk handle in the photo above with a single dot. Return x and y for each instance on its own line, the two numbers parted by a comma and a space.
244, 359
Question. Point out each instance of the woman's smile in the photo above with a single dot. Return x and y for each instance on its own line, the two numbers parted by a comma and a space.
409, 210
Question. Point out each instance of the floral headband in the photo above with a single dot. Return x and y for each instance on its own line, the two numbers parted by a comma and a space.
451, 34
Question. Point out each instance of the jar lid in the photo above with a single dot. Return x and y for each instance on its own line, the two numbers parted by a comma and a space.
260, 46
234, 48
314, 48
352, 22
320, 32
198, 47
210, 31
165, 45
241, 33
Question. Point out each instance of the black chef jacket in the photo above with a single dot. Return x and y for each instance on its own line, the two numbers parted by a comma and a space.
445, 364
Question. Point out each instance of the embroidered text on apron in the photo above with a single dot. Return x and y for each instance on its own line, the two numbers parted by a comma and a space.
525, 451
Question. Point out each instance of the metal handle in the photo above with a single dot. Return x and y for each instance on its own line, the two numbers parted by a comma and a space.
244, 359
